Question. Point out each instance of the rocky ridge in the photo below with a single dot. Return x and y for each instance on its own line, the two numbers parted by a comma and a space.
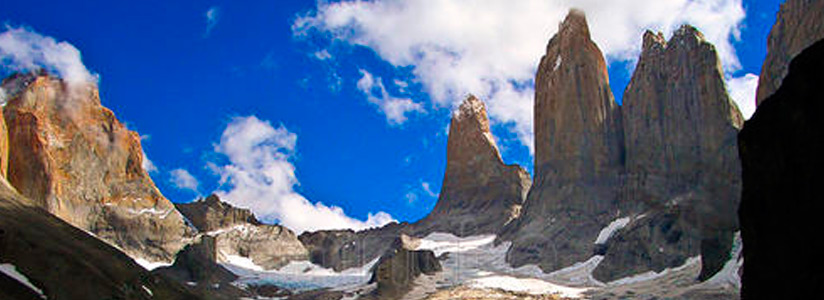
797, 26
238, 232
72, 157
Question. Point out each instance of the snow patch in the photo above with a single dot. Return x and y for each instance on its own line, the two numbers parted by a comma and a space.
243, 262
729, 273
148, 265
148, 291
608, 231
655, 275
557, 63
11, 271
525, 285
441, 243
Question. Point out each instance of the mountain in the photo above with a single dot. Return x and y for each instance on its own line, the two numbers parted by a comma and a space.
73, 158
797, 26
395, 273
344, 249
780, 148
578, 154
63, 262
480, 194
682, 168
237, 232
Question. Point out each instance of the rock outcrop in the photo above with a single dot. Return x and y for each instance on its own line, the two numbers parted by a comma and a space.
64, 262
237, 232
73, 158
344, 249
682, 169
196, 267
780, 148
398, 268
480, 194
578, 154
797, 26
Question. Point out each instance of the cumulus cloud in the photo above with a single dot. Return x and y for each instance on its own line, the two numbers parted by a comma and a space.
492, 48
395, 109
147, 164
22, 49
742, 91
212, 16
260, 176
183, 180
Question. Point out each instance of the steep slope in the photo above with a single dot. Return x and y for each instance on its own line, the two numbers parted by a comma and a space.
238, 233
397, 269
344, 249
66, 263
780, 148
73, 158
682, 169
797, 26
578, 154
480, 194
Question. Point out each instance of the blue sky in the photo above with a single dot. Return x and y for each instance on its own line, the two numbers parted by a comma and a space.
365, 89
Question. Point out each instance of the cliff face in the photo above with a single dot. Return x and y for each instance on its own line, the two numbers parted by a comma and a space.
344, 249
578, 154
780, 148
237, 232
797, 26
480, 194
682, 170
64, 262
73, 158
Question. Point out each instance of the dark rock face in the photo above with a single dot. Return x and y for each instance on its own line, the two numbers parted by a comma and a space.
238, 232
344, 249
682, 168
67, 263
72, 157
780, 148
578, 154
196, 267
480, 194
398, 268
797, 26
212, 214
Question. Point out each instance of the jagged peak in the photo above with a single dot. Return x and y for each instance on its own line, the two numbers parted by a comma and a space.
471, 106
654, 40
574, 24
687, 34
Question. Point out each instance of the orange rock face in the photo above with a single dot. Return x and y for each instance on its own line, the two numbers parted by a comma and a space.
71, 156
797, 26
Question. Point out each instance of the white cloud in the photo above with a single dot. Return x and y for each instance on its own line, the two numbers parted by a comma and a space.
492, 48
742, 91
22, 49
147, 164
426, 188
260, 176
322, 54
212, 16
395, 109
183, 180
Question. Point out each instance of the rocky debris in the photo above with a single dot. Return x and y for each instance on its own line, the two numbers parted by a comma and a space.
682, 168
578, 154
67, 263
797, 26
211, 214
780, 148
398, 268
73, 158
480, 194
237, 232
486, 294
344, 249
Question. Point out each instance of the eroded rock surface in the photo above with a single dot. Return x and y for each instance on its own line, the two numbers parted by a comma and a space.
72, 157
344, 249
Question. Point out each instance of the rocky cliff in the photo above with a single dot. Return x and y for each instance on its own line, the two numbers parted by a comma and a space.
344, 249
480, 194
63, 262
72, 157
397, 269
682, 169
578, 154
797, 26
780, 148
237, 232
